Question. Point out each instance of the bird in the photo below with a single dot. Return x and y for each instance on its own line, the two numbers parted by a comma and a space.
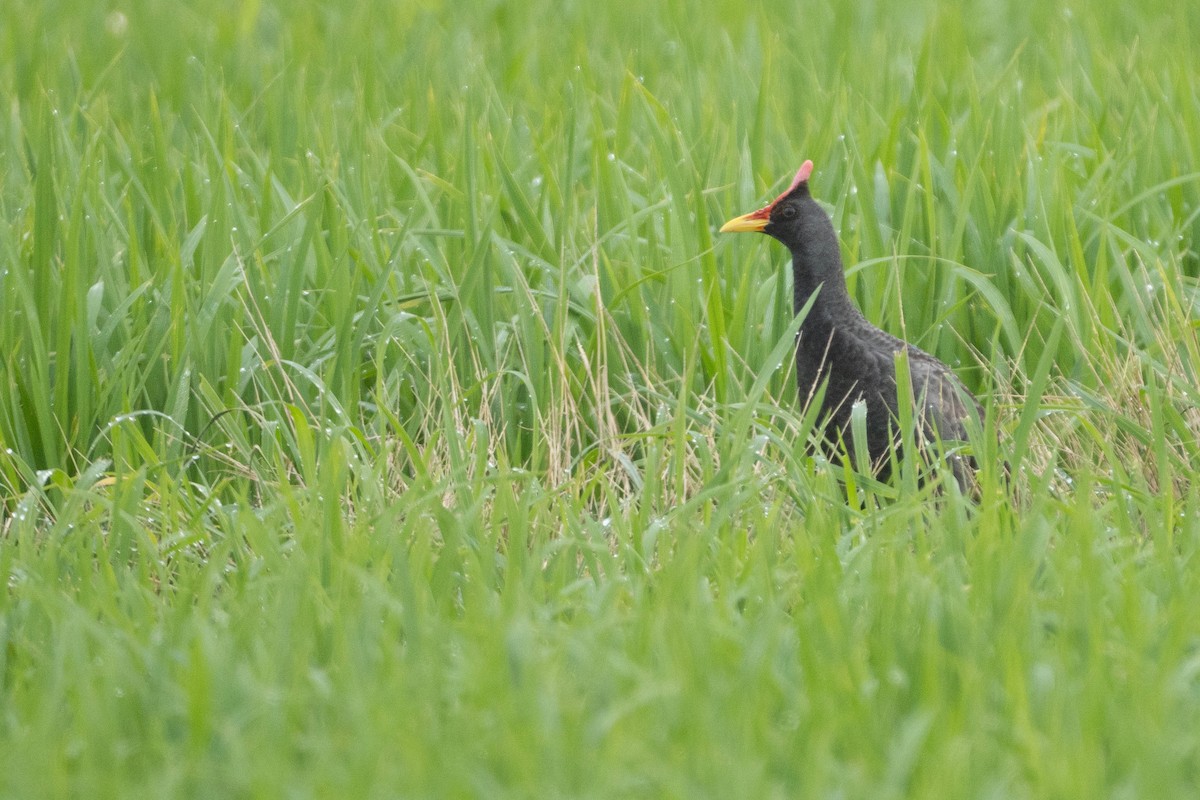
843, 359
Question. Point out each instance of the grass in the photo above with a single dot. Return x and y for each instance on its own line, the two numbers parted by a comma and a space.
383, 416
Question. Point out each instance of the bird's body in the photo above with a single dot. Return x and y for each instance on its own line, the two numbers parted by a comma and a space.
843, 359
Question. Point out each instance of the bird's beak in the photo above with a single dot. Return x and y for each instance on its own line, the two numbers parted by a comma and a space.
754, 221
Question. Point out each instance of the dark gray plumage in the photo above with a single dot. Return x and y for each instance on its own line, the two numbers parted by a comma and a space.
853, 359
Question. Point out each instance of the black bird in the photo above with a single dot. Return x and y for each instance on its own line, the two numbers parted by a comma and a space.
853, 360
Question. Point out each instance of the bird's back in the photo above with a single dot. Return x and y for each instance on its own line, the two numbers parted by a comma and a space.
858, 364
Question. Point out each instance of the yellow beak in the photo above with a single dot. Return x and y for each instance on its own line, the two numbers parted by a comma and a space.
746, 223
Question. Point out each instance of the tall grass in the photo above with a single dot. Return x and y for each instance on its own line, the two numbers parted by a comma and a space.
383, 416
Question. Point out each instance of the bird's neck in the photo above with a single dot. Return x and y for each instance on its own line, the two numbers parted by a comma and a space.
817, 269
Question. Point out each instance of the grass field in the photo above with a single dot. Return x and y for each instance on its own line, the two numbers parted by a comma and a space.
383, 416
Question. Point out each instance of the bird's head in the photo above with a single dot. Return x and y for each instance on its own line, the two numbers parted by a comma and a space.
784, 218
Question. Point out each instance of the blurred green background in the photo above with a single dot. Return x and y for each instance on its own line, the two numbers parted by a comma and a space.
383, 416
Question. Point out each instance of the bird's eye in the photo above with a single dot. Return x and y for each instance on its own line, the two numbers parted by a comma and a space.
788, 212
